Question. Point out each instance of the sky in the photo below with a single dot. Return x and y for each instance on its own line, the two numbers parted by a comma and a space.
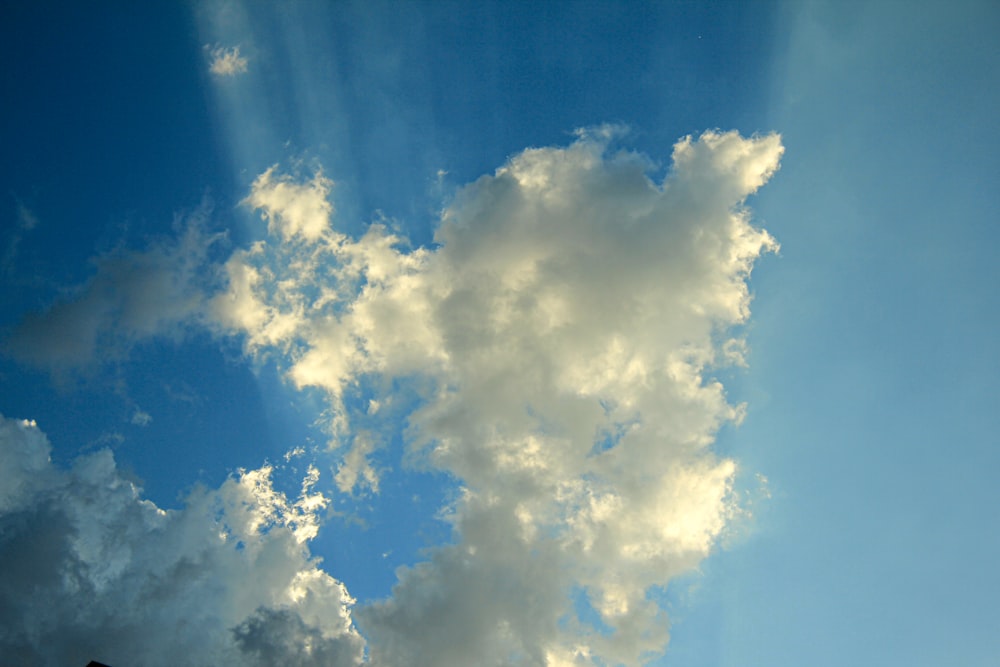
568, 333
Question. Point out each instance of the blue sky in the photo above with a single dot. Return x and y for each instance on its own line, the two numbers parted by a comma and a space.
420, 334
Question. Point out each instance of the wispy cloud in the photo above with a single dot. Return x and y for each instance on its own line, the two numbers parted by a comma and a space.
227, 61
141, 418
132, 296
27, 220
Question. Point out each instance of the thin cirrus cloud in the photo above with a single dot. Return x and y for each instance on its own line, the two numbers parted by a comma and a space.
557, 344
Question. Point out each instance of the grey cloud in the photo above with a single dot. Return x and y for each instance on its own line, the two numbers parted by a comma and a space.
91, 570
133, 295
280, 637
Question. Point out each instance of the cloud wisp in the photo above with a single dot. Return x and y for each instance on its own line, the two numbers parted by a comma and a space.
133, 296
27, 220
559, 340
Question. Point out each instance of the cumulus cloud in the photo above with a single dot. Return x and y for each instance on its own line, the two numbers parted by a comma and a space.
292, 209
91, 570
132, 296
565, 327
559, 341
227, 62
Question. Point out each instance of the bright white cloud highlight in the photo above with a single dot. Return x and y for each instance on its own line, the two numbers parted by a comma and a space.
293, 209
91, 570
227, 62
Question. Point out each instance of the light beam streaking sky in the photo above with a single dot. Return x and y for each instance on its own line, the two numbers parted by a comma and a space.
448, 334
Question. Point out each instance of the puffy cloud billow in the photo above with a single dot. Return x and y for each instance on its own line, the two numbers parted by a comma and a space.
560, 339
89, 569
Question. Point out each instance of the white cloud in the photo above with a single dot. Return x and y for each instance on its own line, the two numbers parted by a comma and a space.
227, 62
564, 329
560, 339
141, 418
91, 570
293, 209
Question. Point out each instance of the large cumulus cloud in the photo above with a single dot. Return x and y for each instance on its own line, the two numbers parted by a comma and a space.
566, 321
558, 341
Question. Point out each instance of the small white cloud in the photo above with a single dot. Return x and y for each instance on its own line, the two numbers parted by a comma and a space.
227, 62
141, 418
294, 453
